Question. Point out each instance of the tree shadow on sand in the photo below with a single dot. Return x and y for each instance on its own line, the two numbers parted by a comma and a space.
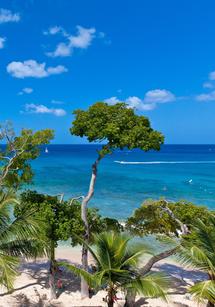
181, 278
38, 271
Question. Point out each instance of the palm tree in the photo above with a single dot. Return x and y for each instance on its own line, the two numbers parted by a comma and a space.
199, 252
19, 237
116, 262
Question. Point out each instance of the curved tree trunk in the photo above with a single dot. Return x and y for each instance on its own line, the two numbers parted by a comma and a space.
86, 199
52, 272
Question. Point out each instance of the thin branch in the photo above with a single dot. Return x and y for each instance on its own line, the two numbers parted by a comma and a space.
184, 231
184, 228
76, 198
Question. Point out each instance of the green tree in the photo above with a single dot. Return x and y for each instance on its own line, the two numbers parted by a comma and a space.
153, 218
63, 221
198, 251
116, 264
118, 127
18, 152
19, 237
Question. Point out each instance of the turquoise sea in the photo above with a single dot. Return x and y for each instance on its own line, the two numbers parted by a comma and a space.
126, 178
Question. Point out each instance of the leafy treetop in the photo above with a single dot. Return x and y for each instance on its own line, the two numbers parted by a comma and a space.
15, 157
117, 125
150, 218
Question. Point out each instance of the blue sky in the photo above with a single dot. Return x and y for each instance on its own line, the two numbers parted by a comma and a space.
158, 56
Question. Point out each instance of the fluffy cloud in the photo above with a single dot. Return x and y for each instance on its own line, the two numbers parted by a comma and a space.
206, 97
33, 69
208, 85
112, 100
159, 96
41, 109
2, 42
54, 30
148, 103
26, 90
8, 16
212, 75
81, 40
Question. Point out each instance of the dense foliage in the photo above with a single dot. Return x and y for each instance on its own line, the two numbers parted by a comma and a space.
117, 125
19, 151
198, 252
62, 218
151, 218
19, 237
116, 267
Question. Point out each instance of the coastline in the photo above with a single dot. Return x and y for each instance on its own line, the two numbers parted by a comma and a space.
31, 286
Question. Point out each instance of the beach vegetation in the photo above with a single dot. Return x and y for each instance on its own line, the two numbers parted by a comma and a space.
17, 153
153, 218
116, 261
62, 221
198, 252
20, 237
115, 127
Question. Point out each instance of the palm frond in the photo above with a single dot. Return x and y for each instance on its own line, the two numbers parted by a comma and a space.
151, 285
203, 291
8, 270
195, 257
90, 278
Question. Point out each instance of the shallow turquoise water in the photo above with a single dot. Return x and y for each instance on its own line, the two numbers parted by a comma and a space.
127, 178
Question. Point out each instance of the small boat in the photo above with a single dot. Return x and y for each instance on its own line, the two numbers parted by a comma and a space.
46, 150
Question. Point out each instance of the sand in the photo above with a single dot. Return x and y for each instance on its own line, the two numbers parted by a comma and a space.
32, 289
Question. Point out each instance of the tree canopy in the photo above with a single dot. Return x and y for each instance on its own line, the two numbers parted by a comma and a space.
15, 156
117, 125
62, 218
151, 217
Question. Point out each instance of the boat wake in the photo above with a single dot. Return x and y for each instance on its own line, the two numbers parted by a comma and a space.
165, 162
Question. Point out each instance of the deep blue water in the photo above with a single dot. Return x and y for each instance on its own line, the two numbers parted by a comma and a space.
175, 172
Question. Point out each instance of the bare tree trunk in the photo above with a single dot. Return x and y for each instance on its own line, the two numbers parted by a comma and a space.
52, 273
86, 199
131, 294
147, 267
130, 298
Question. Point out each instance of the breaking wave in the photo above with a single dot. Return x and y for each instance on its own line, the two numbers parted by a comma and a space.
165, 162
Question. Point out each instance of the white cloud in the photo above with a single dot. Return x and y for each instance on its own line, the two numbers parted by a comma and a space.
8, 16
2, 42
26, 90
112, 100
149, 102
208, 85
206, 97
212, 75
54, 30
31, 68
159, 96
81, 40
62, 50
138, 104
42, 109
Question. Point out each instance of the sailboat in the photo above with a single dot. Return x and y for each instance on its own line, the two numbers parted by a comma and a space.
46, 150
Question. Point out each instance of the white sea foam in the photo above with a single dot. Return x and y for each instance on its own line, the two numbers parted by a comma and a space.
165, 162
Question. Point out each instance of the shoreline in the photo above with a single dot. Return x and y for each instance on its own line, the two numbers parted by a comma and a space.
31, 286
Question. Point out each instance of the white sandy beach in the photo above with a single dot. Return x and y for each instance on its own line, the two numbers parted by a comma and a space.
31, 286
